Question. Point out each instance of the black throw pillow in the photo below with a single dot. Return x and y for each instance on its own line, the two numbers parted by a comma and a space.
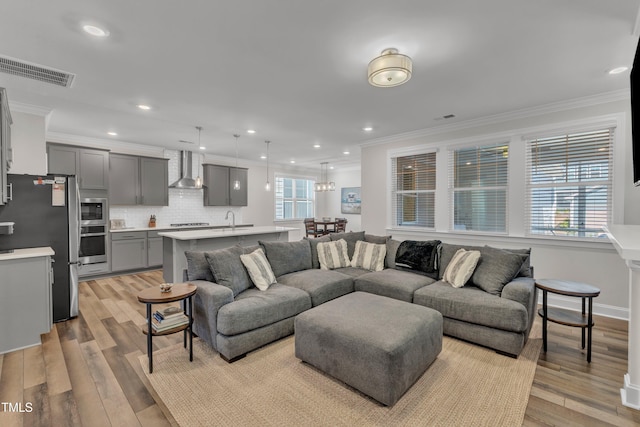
420, 256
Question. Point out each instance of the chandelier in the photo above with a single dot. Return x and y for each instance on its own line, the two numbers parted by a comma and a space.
324, 184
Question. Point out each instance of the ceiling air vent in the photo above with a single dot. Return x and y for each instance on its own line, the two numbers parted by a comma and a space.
41, 73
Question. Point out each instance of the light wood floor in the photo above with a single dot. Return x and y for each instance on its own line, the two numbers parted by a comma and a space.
87, 372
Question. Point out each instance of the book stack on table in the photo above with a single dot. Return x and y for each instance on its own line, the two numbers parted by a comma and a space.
168, 318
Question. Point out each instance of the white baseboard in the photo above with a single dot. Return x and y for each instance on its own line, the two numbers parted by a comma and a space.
575, 304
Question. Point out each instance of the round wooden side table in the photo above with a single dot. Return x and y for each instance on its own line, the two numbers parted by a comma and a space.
582, 320
182, 292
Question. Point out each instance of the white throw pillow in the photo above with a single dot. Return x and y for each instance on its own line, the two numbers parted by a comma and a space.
369, 256
461, 267
333, 255
259, 269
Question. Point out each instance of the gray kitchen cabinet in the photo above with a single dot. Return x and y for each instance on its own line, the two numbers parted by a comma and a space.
154, 181
154, 251
218, 185
135, 180
128, 251
26, 286
5, 145
90, 165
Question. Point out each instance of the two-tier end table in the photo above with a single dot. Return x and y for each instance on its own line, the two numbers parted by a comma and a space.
582, 320
182, 292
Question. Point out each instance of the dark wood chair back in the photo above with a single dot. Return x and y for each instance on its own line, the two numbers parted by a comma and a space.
310, 227
341, 225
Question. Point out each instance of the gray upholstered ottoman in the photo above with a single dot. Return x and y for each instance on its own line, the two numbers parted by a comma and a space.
375, 344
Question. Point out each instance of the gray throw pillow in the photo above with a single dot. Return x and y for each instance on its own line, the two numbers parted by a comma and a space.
525, 269
392, 249
378, 240
495, 269
287, 257
351, 238
228, 270
315, 263
198, 266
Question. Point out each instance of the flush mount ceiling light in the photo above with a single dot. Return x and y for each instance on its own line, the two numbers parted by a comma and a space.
389, 69
95, 31
324, 184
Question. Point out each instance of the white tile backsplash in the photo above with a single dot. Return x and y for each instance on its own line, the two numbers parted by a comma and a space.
184, 205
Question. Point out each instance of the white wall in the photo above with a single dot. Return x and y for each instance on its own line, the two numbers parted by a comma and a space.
28, 144
596, 263
330, 201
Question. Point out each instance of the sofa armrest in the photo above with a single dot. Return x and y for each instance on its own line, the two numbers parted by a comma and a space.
210, 297
524, 291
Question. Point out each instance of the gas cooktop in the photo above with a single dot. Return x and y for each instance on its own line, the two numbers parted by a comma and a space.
189, 224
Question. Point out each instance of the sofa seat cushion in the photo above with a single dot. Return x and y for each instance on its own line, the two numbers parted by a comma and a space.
321, 285
473, 305
352, 271
254, 308
392, 283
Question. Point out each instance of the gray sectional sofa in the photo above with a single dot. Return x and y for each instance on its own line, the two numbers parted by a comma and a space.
494, 308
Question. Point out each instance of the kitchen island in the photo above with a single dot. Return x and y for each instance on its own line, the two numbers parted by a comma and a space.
176, 243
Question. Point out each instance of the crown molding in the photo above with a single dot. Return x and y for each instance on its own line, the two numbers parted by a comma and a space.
114, 145
587, 101
36, 110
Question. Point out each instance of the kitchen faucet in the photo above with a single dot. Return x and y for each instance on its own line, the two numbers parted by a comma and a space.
233, 219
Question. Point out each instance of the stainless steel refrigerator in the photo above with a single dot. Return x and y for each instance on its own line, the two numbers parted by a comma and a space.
44, 217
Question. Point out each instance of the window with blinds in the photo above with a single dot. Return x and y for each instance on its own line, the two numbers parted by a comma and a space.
413, 190
569, 184
295, 198
478, 185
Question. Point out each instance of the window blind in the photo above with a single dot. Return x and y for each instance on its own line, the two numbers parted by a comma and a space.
478, 184
413, 186
569, 184
295, 198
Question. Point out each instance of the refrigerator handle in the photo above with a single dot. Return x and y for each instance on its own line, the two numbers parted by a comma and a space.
78, 213
10, 187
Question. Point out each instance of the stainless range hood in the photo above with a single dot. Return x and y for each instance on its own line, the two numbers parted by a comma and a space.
186, 181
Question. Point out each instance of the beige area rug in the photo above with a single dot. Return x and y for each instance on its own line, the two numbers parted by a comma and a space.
467, 385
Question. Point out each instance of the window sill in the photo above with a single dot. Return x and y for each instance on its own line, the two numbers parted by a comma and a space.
480, 239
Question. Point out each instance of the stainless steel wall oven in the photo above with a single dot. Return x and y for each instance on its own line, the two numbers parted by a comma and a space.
93, 231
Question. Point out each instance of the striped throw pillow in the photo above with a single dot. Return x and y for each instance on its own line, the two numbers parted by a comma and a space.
259, 269
461, 267
333, 255
369, 256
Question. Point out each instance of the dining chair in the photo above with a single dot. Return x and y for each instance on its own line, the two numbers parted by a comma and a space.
341, 225
310, 227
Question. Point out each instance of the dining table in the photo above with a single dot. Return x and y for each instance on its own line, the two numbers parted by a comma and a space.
324, 223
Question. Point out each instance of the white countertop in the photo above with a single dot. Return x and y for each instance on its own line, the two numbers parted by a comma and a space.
226, 232
626, 240
27, 253
168, 227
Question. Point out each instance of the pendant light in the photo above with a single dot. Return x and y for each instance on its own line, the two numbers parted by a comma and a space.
267, 186
236, 182
198, 178
324, 184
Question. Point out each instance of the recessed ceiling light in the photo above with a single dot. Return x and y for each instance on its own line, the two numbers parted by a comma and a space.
316, 145
618, 70
202, 147
251, 131
95, 31
144, 107
367, 129
263, 157
345, 152
331, 167
112, 133
292, 161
